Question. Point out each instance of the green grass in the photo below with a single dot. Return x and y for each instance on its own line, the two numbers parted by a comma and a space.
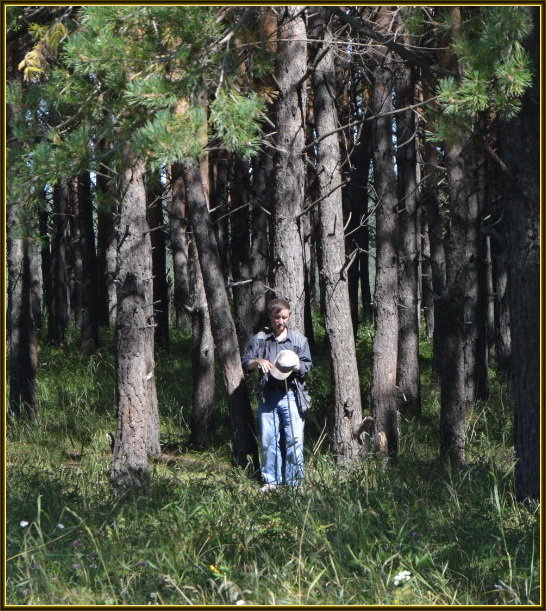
204, 533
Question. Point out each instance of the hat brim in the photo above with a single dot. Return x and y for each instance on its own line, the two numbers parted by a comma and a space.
280, 375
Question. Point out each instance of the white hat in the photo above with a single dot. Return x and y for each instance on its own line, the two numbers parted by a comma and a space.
284, 365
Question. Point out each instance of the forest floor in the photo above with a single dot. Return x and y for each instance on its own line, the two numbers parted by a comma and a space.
413, 532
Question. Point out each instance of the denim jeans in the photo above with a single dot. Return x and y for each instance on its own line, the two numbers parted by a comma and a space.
282, 459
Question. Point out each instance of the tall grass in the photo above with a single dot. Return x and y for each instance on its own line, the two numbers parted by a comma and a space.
204, 534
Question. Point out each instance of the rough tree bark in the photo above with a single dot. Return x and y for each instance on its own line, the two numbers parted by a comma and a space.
73, 256
309, 231
156, 221
21, 326
431, 207
519, 147
458, 328
203, 407
408, 246
385, 347
339, 328
58, 285
179, 245
86, 247
427, 290
217, 177
459, 301
240, 260
288, 254
106, 250
22, 336
358, 232
260, 245
500, 257
137, 436
244, 446
44, 259
478, 170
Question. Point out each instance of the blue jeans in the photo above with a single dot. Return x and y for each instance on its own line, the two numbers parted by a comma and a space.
281, 433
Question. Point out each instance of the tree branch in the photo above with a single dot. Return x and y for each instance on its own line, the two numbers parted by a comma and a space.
371, 118
317, 201
401, 50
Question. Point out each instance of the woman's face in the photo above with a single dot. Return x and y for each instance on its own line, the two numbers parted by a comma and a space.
279, 320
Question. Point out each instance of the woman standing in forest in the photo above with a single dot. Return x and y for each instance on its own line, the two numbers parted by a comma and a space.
283, 356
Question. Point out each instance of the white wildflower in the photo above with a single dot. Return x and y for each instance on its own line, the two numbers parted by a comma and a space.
23, 523
240, 602
59, 525
401, 578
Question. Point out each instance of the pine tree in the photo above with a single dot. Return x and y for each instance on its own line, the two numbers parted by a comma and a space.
408, 378
339, 325
288, 188
148, 77
520, 140
491, 73
385, 347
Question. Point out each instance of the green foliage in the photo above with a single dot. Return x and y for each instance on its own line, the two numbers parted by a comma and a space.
138, 74
233, 118
154, 92
14, 19
205, 535
495, 70
170, 137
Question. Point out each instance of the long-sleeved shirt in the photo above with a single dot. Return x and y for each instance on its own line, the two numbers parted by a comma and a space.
263, 345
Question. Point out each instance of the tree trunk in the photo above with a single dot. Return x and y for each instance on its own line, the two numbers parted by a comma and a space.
179, 246
520, 141
490, 298
260, 244
502, 310
106, 251
459, 301
288, 249
58, 285
203, 407
408, 247
478, 167
308, 233
240, 259
22, 337
431, 205
385, 347
358, 232
88, 289
218, 198
74, 258
427, 290
338, 321
156, 221
458, 375
21, 326
244, 446
137, 435
44, 258
187, 272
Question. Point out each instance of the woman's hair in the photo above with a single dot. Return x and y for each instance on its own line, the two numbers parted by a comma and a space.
276, 305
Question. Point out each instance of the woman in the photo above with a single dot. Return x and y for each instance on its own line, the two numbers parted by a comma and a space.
282, 395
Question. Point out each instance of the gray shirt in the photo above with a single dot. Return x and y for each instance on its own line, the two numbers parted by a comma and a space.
263, 345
